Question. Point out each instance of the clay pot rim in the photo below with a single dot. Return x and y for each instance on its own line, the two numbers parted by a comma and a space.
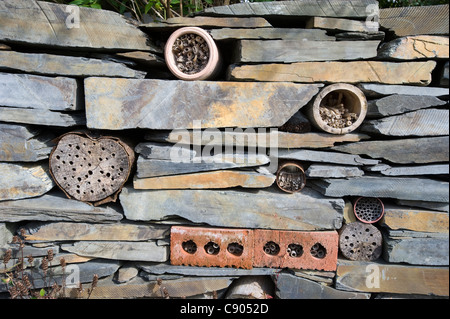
214, 55
365, 221
349, 88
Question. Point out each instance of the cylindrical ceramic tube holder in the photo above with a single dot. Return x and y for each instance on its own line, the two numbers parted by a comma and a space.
352, 99
368, 210
213, 66
291, 177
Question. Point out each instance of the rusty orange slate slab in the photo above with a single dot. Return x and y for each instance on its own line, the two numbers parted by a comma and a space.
199, 240
307, 258
115, 103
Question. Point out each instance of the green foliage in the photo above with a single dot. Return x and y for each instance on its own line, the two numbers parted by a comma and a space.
163, 9
87, 3
409, 3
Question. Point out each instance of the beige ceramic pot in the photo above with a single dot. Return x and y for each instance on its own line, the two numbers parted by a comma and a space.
191, 54
338, 108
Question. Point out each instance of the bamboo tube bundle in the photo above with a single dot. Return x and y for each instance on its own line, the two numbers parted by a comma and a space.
338, 108
291, 177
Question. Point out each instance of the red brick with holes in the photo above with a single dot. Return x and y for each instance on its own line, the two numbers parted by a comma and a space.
196, 246
307, 249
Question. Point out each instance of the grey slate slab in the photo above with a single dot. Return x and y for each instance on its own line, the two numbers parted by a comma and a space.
415, 20
41, 117
443, 207
270, 34
377, 90
436, 169
400, 103
166, 268
52, 24
427, 122
287, 51
269, 208
416, 251
20, 180
51, 64
384, 187
24, 143
303, 8
86, 271
333, 171
402, 151
119, 250
55, 206
116, 104
60, 92
324, 157
293, 287
158, 167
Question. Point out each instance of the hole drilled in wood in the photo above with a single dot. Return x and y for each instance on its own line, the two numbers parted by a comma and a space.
359, 241
93, 170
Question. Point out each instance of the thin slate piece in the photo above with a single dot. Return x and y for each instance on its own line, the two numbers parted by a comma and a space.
304, 8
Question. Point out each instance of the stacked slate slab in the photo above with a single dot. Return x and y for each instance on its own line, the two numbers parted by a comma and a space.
208, 152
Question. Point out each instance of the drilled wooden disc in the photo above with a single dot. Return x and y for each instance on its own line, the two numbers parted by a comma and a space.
359, 241
89, 170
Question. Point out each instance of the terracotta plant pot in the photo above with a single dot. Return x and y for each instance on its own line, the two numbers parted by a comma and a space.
191, 54
338, 108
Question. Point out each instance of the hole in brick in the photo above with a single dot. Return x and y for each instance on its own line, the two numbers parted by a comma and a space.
235, 249
189, 247
318, 251
295, 250
212, 248
271, 248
